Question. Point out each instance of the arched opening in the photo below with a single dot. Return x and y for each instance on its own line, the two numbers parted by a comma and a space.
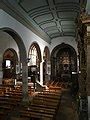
46, 64
34, 59
10, 60
64, 65
23, 60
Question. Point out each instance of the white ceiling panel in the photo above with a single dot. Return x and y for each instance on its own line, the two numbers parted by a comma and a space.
42, 18
48, 25
67, 15
49, 18
32, 4
67, 22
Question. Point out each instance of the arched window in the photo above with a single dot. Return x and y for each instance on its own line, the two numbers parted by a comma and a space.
34, 56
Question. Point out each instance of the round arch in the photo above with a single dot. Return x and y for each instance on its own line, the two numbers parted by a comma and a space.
13, 51
19, 42
57, 55
10, 59
23, 59
64, 66
61, 46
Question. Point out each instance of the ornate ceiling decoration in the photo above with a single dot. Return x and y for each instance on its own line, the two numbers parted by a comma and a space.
48, 18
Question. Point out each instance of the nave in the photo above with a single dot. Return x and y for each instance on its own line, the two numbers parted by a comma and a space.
42, 106
44, 52
53, 103
67, 109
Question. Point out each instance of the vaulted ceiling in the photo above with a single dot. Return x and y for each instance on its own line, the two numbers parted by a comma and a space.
47, 18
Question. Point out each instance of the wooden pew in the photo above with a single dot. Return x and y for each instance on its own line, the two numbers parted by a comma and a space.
39, 114
43, 107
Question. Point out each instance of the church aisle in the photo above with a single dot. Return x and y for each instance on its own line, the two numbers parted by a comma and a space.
66, 109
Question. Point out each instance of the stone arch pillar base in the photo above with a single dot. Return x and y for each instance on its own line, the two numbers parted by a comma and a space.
26, 101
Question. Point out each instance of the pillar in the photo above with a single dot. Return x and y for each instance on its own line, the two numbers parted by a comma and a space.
25, 82
1, 71
82, 48
41, 73
48, 70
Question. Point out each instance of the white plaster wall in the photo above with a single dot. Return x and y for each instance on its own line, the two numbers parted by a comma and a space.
67, 40
6, 41
26, 35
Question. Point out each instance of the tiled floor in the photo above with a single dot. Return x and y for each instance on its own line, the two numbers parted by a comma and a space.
67, 108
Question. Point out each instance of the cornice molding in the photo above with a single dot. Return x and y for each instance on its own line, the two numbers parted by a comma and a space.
5, 5
55, 16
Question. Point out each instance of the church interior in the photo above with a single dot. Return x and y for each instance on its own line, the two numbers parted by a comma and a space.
44, 59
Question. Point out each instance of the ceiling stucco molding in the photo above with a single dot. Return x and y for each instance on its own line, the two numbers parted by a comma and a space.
5, 5
55, 10
48, 19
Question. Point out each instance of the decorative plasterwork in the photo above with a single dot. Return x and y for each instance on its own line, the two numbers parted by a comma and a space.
51, 18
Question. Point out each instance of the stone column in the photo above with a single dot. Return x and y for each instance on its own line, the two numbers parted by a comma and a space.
1, 70
41, 73
48, 70
83, 73
25, 82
